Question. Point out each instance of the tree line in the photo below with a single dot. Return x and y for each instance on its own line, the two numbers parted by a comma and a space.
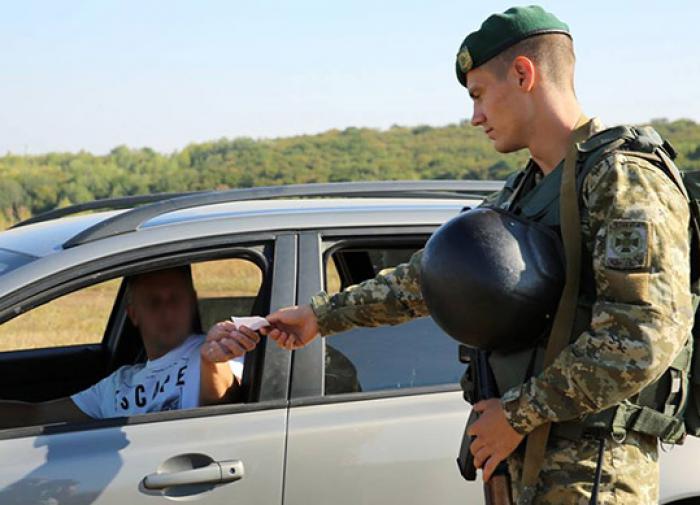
31, 184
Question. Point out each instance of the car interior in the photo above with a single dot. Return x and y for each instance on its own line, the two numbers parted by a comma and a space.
53, 372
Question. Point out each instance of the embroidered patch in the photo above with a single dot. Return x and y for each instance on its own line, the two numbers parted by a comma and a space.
627, 245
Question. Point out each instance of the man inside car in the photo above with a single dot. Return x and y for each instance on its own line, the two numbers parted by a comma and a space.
184, 369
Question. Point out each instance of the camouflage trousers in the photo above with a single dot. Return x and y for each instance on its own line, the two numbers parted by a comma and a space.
630, 472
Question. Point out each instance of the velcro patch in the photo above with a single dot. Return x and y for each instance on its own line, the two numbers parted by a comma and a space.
627, 244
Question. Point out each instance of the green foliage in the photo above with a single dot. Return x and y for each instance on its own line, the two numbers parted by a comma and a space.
32, 184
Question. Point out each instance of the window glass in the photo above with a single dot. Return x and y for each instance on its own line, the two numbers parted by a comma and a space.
9, 260
77, 318
414, 354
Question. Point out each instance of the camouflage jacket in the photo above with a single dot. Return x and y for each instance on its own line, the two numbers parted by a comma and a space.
641, 317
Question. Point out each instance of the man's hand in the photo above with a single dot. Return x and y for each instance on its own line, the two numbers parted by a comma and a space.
225, 343
495, 438
292, 327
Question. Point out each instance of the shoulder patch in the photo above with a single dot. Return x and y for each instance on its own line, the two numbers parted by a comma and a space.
627, 244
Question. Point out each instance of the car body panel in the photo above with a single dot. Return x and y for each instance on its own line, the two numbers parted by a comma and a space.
387, 450
679, 471
106, 466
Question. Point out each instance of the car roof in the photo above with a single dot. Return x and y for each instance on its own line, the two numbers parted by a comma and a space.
64, 242
271, 207
47, 237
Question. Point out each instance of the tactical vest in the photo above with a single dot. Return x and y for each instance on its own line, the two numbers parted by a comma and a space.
668, 408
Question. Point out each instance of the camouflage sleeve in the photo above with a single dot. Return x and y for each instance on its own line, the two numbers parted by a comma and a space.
637, 230
392, 297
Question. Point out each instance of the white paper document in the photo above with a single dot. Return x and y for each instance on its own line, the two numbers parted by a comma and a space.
252, 322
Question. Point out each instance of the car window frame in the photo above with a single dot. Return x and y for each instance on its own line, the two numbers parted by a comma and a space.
309, 362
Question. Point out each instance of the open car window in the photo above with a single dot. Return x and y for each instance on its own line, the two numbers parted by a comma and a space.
78, 318
72, 342
225, 288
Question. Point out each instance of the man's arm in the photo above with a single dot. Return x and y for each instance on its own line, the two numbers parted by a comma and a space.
393, 296
642, 316
14, 414
217, 383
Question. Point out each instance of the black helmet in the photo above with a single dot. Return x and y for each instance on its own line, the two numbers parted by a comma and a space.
493, 280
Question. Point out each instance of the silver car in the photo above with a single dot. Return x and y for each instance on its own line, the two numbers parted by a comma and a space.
371, 416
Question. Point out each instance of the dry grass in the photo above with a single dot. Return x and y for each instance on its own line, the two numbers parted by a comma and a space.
77, 318
81, 317
332, 277
225, 278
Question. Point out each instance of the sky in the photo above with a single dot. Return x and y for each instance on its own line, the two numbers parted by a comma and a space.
91, 75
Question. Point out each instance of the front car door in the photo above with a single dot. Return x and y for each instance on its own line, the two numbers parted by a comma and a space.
107, 462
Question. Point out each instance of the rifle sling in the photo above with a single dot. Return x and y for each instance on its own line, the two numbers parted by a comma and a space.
560, 335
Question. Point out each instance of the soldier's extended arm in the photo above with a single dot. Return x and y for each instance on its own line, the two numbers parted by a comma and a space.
392, 297
638, 234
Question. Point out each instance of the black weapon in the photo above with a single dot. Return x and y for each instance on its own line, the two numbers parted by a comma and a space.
479, 384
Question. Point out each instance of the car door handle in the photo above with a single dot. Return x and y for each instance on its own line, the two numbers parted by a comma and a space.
216, 472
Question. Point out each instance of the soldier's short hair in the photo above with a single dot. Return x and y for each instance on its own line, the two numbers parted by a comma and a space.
552, 53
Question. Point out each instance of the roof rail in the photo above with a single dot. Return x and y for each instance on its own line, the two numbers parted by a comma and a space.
131, 220
124, 202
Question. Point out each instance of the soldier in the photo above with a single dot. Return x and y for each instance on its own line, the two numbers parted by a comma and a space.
634, 297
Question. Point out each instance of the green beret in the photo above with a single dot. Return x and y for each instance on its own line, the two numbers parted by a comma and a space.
501, 31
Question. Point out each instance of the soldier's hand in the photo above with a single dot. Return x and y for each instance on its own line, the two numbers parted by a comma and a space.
292, 327
495, 437
224, 342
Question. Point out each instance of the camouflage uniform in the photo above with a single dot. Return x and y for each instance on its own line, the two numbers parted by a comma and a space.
641, 318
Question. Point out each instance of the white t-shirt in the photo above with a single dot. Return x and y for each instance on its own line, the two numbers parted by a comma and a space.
170, 382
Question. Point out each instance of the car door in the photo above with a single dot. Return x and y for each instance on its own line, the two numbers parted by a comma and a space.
376, 415
213, 455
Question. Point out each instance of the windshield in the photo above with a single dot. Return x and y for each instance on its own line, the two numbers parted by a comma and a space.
10, 260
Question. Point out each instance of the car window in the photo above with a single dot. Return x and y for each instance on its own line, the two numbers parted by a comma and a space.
77, 318
225, 288
10, 260
414, 354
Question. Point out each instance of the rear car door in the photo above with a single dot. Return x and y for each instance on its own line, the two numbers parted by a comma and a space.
376, 414
212, 455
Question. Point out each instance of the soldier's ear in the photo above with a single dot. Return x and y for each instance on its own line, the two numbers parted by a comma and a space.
524, 71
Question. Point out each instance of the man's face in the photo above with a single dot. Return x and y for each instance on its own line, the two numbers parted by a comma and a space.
162, 308
501, 108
